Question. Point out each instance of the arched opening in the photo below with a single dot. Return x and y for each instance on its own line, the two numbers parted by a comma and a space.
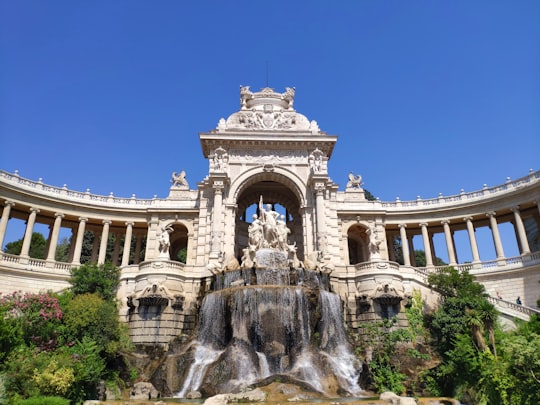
358, 243
179, 243
282, 199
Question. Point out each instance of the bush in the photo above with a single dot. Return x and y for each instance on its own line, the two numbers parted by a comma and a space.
91, 278
43, 400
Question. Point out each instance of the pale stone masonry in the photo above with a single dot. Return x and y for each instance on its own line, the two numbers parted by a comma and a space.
268, 150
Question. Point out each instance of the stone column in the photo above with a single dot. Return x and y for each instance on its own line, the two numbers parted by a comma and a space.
28, 233
54, 237
217, 229
524, 243
103, 245
404, 244
4, 221
472, 240
127, 244
95, 247
449, 242
79, 241
496, 237
427, 247
411, 250
138, 246
321, 218
116, 250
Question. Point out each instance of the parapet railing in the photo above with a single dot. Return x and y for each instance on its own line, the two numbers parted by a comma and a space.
133, 201
529, 259
500, 303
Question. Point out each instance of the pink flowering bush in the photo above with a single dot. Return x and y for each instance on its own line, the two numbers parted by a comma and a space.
38, 316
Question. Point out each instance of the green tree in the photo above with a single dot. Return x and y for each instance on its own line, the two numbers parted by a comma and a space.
91, 278
38, 246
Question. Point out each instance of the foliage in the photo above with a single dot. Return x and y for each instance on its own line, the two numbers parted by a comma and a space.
38, 246
29, 318
89, 315
91, 278
43, 400
481, 363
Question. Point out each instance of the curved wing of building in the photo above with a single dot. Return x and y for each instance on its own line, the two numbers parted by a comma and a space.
267, 153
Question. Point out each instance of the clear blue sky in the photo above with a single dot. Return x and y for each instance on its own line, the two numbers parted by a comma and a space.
425, 96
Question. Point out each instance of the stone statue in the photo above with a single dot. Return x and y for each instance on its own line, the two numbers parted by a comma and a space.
354, 181
270, 229
179, 179
164, 241
245, 94
374, 242
316, 161
255, 233
289, 96
220, 159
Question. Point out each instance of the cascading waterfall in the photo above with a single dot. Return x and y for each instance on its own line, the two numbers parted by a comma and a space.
251, 332
269, 321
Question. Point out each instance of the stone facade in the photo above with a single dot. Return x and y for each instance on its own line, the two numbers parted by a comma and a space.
268, 150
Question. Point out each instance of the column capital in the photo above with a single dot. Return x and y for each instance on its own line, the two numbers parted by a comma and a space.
107, 222
515, 209
467, 219
445, 222
58, 215
10, 203
83, 219
423, 224
33, 209
402, 225
130, 223
491, 214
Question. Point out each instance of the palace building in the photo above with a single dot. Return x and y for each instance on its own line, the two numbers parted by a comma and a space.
268, 155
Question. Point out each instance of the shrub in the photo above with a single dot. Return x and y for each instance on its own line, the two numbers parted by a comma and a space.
43, 400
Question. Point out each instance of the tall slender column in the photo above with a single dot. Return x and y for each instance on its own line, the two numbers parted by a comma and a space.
472, 240
524, 243
28, 233
116, 250
104, 240
95, 246
449, 242
496, 235
127, 243
412, 255
79, 242
427, 247
54, 237
404, 244
217, 229
391, 247
4, 221
321, 218
138, 246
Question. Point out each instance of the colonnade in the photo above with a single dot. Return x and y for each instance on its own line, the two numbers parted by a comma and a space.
428, 245
100, 229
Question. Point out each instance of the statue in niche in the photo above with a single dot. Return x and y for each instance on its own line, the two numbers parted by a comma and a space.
270, 228
164, 241
374, 242
354, 181
179, 180
316, 161
255, 232
220, 159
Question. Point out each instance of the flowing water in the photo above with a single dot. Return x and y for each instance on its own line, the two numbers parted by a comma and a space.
276, 324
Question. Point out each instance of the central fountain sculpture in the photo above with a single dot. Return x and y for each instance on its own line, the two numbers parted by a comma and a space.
268, 318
